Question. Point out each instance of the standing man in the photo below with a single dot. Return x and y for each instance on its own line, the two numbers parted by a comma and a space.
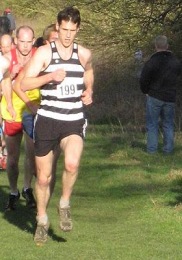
17, 123
63, 72
10, 16
158, 81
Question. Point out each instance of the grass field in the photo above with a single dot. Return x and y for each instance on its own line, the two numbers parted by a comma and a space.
126, 205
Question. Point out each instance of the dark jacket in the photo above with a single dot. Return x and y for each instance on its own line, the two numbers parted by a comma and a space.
12, 21
159, 76
4, 25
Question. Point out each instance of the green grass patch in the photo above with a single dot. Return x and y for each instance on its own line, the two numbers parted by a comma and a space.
126, 205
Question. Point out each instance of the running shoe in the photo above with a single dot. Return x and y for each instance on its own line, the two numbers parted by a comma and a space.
41, 234
65, 219
12, 201
29, 197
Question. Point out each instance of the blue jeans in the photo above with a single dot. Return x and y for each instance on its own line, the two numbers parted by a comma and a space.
156, 110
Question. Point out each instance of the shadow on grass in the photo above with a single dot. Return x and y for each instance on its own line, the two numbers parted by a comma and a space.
23, 217
125, 191
177, 192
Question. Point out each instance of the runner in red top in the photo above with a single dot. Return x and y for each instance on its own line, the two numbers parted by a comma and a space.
13, 125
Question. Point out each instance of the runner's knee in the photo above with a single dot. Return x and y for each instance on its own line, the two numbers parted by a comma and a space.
43, 180
71, 166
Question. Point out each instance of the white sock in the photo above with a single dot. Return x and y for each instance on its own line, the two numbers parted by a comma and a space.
25, 188
14, 193
42, 220
64, 203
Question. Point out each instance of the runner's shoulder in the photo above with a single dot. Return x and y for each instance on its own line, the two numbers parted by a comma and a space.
84, 54
44, 49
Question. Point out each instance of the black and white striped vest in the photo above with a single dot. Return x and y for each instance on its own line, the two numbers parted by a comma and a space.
63, 101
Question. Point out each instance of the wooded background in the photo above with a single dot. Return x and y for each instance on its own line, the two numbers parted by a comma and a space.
114, 30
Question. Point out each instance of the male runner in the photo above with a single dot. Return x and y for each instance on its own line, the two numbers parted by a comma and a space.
63, 72
18, 121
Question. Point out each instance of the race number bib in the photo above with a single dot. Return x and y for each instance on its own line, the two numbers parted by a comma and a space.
66, 90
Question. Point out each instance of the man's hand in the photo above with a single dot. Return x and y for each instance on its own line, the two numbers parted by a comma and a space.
58, 75
87, 97
33, 107
15, 70
12, 112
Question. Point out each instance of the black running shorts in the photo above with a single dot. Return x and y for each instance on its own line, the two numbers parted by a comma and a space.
49, 132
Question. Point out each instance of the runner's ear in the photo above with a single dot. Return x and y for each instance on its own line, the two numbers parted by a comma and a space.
33, 41
57, 26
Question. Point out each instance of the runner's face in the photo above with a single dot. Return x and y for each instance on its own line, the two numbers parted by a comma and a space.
6, 43
5, 48
24, 42
67, 32
53, 36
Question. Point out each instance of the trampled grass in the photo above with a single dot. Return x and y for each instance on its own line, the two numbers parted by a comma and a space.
126, 205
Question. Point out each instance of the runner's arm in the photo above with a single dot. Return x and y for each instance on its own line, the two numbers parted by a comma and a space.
6, 85
16, 87
4, 64
38, 63
89, 77
85, 56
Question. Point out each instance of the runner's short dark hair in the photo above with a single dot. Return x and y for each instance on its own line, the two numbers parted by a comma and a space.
69, 14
